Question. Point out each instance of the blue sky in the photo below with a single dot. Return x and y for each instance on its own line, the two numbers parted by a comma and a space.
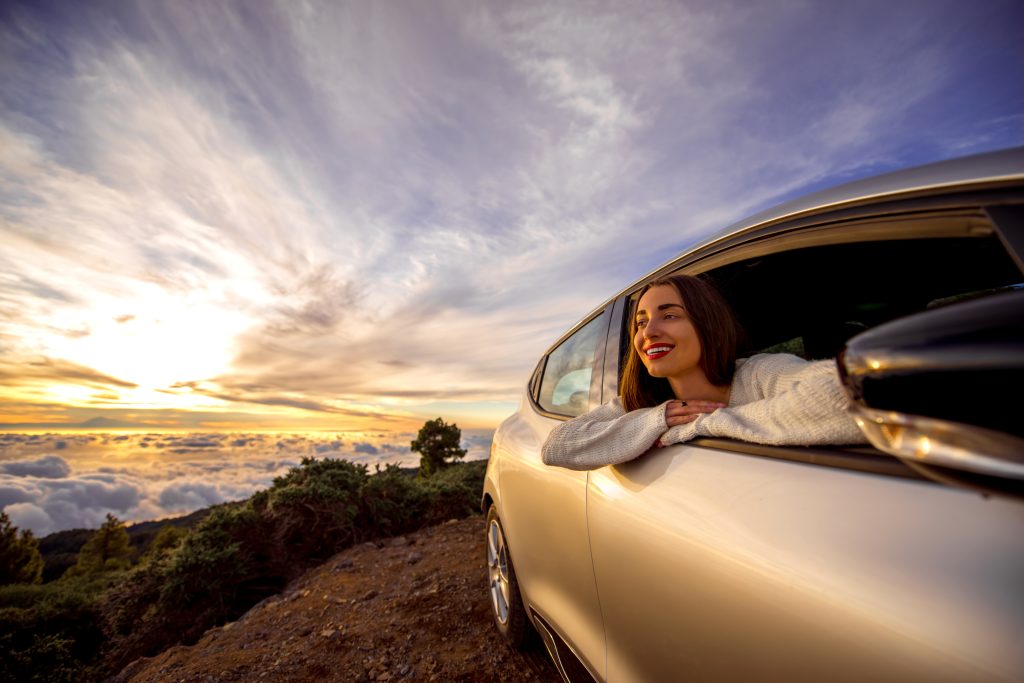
336, 214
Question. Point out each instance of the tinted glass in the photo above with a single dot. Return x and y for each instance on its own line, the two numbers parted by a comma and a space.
565, 386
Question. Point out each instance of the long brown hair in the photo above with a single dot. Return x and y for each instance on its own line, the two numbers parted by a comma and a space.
717, 329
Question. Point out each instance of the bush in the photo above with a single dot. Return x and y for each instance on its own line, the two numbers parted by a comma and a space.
50, 632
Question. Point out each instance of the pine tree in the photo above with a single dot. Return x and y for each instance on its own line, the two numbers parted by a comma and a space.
163, 544
108, 549
436, 443
20, 561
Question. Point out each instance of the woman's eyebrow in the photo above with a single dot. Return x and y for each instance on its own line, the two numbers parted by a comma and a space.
662, 307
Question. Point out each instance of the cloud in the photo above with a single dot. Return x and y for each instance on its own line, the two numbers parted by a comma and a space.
190, 496
13, 494
57, 370
366, 448
29, 516
48, 467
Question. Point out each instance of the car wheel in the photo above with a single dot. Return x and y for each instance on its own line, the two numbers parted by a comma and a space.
506, 602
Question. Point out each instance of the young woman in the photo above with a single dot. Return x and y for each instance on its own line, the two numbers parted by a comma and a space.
683, 380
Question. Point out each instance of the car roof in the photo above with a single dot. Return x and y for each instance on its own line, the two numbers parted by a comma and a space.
965, 173
975, 172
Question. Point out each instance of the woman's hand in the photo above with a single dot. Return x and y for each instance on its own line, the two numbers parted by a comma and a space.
680, 412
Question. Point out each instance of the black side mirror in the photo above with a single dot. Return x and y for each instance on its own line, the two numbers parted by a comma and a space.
945, 388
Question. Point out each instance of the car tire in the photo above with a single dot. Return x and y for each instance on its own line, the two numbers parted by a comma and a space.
503, 587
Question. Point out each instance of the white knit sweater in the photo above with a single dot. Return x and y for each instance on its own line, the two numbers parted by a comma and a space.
777, 399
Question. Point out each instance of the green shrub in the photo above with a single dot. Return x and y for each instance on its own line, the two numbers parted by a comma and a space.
313, 509
51, 632
391, 503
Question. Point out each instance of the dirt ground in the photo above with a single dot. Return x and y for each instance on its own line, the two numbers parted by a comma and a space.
411, 608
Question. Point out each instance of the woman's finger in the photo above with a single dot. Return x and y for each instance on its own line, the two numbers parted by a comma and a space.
675, 408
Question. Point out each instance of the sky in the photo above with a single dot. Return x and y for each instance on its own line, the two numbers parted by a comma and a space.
355, 216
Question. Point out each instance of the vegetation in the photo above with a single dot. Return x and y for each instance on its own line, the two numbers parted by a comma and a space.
108, 549
20, 561
101, 614
438, 446
60, 550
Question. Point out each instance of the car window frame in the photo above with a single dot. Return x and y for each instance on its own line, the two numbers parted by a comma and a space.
597, 365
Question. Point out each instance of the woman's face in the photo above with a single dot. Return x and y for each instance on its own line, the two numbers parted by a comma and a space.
665, 338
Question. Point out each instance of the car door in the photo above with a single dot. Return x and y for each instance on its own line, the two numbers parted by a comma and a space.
544, 508
717, 565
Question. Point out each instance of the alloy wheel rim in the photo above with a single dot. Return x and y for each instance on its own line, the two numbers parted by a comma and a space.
497, 570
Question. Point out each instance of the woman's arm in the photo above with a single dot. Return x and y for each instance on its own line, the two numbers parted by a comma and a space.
607, 435
783, 400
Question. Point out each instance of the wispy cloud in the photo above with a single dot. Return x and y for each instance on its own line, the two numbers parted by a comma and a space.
363, 209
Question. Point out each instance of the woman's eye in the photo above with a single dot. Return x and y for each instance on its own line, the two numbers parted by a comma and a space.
641, 323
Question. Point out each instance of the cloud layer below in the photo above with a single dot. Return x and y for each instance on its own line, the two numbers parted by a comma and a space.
52, 482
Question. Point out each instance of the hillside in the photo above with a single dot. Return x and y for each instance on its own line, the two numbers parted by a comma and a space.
410, 608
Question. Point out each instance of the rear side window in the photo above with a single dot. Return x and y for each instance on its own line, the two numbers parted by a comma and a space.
565, 384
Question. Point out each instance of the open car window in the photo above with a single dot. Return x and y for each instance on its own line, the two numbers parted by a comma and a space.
808, 299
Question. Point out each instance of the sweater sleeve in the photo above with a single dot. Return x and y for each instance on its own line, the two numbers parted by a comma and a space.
607, 435
780, 399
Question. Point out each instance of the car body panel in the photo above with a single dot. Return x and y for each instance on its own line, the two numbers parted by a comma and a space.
787, 559
545, 519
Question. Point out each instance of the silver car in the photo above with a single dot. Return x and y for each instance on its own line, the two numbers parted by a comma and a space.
718, 560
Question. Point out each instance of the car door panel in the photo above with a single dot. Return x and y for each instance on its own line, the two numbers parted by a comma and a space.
755, 568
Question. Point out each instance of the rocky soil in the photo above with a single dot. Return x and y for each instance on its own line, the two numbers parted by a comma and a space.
410, 608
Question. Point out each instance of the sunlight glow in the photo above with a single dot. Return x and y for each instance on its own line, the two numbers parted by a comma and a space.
169, 339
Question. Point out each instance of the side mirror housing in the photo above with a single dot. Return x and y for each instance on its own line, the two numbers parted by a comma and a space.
945, 387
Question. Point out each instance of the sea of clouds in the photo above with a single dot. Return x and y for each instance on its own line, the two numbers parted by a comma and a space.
53, 482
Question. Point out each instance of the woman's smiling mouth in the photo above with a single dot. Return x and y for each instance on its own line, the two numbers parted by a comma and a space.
657, 351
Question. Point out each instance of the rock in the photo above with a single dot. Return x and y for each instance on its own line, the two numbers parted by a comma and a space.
369, 595
131, 670
414, 557
398, 541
